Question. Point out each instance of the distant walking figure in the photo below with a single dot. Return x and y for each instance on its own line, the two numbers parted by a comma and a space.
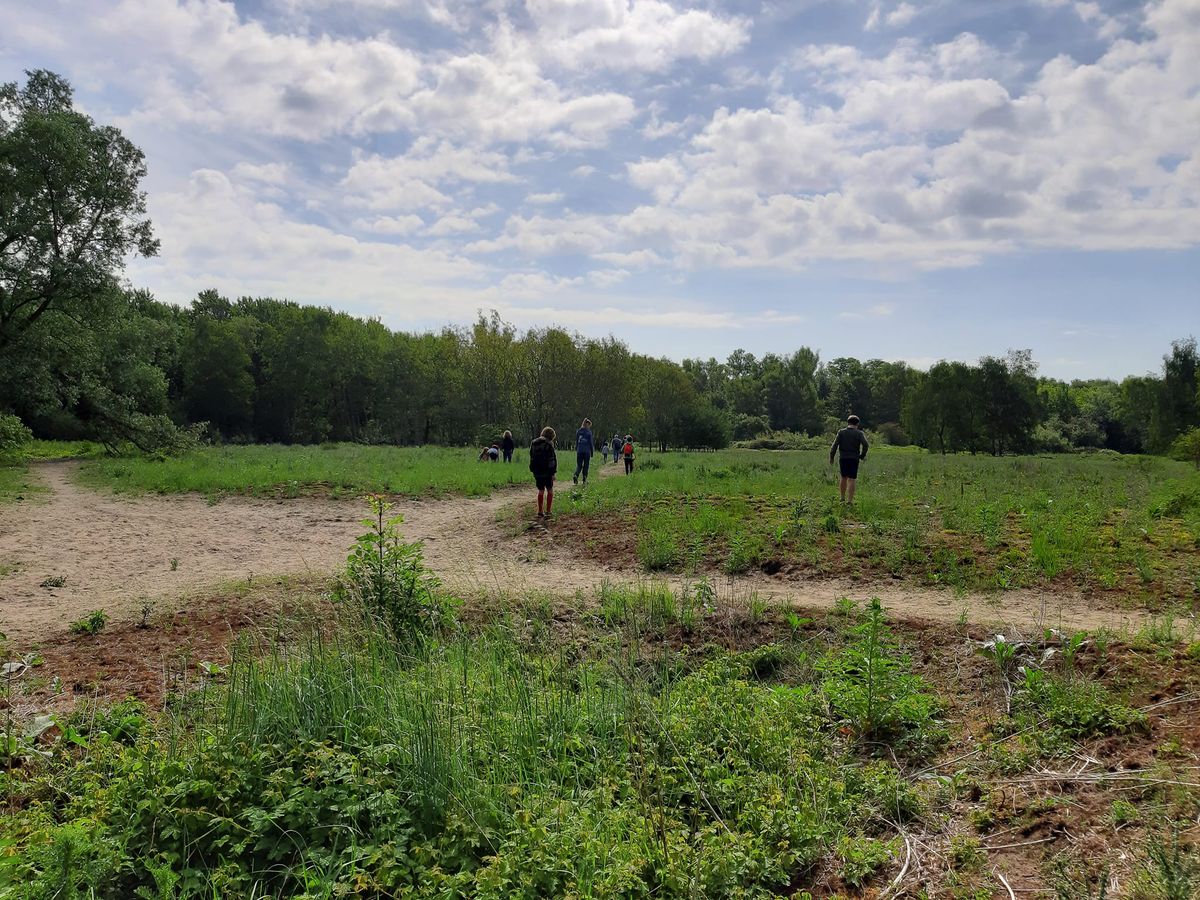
616, 448
604, 448
585, 446
852, 446
508, 445
543, 463
627, 452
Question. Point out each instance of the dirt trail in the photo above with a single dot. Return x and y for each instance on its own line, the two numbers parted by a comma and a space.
113, 552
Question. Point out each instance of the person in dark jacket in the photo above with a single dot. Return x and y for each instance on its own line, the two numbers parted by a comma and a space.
507, 444
543, 463
627, 453
852, 446
616, 447
585, 446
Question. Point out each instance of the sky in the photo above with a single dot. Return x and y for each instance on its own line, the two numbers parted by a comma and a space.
902, 180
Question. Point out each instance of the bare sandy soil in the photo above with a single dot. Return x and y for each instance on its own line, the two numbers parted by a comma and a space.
114, 553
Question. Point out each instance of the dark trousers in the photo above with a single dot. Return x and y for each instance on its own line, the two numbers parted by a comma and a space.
508, 456
628, 464
583, 462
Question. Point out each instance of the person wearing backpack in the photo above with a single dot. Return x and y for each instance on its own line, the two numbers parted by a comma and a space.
543, 463
585, 446
627, 453
616, 448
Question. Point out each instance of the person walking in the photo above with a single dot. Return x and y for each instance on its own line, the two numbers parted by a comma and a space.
507, 444
627, 453
616, 447
543, 463
604, 448
585, 446
851, 445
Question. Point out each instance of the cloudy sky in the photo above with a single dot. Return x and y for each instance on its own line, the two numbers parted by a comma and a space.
909, 180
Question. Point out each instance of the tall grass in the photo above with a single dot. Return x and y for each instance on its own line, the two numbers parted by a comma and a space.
477, 767
294, 470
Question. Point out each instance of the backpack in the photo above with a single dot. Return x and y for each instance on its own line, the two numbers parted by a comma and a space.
628, 449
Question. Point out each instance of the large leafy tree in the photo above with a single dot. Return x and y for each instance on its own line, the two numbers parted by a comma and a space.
76, 350
71, 207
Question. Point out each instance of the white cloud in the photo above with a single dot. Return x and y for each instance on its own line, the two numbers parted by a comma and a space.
631, 34
390, 224
1090, 12
266, 173
919, 161
896, 17
542, 199
417, 179
201, 63
215, 234
503, 96
451, 225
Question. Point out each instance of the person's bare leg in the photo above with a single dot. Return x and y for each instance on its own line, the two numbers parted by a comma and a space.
541, 501
549, 500
850, 489
842, 488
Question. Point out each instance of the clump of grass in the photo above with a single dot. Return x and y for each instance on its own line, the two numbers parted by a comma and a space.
91, 624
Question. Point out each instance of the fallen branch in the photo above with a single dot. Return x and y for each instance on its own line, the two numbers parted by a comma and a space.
903, 869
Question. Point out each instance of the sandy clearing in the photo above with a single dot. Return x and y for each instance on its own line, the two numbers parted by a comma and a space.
114, 552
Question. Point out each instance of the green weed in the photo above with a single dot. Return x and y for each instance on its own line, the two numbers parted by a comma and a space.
91, 624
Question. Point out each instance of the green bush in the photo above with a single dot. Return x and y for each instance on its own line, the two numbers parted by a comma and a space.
13, 435
387, 577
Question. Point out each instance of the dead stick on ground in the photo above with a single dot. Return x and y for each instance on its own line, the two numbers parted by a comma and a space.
1007, 886
904, 869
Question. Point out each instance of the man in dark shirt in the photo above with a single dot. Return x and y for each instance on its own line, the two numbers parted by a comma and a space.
851, 443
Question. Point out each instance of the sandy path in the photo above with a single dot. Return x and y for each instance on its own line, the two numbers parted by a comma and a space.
114, 552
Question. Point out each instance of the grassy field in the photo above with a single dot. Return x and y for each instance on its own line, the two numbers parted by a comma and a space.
653, 745
1100, 521
290, 471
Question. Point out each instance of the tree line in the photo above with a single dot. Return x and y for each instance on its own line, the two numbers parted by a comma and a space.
83, 355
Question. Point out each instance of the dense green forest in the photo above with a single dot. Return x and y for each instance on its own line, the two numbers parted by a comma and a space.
84, 355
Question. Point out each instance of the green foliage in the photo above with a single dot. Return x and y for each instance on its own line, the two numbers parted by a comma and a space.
1170, 870
76, 350
1071, 707
387, 577
469, 769
91, 624
13, 435
870, 690
1187, 447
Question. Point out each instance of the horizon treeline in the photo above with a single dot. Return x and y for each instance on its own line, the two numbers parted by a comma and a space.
83, 357
265, 370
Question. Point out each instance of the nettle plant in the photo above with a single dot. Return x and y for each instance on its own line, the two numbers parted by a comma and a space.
388, 577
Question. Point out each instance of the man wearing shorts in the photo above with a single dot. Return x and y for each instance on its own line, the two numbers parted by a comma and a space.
851, 444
